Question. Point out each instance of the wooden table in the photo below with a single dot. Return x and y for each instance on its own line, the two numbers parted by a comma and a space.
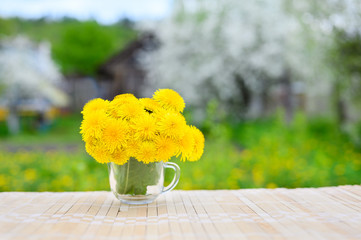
309, 213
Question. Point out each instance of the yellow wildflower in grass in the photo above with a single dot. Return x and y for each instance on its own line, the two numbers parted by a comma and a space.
30, 174
166, 148
145, 127
149, 130
147, 152
186, 144
115, 134
3, 180
94, 105
173, 125
169, 99
3, 113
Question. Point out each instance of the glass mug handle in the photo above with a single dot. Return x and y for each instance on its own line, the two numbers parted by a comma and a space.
175, 180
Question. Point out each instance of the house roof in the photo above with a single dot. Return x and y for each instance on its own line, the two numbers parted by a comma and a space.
145, 42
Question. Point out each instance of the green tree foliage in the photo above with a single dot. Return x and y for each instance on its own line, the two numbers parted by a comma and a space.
83, 47
346, 53
78, 47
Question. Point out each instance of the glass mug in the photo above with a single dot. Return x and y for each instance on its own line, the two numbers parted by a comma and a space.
138, 183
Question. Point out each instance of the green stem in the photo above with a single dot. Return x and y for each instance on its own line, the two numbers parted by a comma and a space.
127, 178
134, 180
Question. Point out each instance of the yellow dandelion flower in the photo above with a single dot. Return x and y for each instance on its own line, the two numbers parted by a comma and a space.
115, 134
93, 124
126, 97
89, 139
131, 110
159, 114
166, 148
125, 106
169, 99
95, 105
99, 153
172, 125
131, 131
128, 110
89, 148
149, 130
198, 144
145, 127
132, 147
119, 156
186, 144
146, 152
150, 105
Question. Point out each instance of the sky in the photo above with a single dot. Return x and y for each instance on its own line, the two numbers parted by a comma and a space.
104, 11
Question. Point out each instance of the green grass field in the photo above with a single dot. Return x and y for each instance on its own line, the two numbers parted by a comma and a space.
242, 155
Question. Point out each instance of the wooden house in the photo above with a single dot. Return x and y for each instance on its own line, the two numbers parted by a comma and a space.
123, 73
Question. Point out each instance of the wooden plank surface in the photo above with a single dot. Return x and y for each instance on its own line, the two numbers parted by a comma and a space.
305, 213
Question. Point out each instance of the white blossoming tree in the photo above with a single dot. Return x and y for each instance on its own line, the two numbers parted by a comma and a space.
27, 72
224, 49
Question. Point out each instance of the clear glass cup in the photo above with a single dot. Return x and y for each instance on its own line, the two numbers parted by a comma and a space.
137, 183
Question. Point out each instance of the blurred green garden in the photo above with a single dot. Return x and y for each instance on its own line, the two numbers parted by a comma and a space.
263, 153
275, 87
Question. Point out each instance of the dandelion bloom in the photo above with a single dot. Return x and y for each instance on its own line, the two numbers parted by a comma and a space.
93, 124
169, 99
95, 105
145, 127
131, 110
150, 130
100, 154
146, 152
166, 148
173, 125
198, 146
119, 156
118, 102
186, 144
115, 134
124, 97
150, 105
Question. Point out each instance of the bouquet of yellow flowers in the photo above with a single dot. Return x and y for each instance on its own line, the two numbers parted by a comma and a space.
147, 129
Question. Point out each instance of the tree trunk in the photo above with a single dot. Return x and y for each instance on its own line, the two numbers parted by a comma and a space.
13, 121
265, 99
287, 94
339, 105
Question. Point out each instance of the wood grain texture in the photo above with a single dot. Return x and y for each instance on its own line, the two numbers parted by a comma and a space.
304, 213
